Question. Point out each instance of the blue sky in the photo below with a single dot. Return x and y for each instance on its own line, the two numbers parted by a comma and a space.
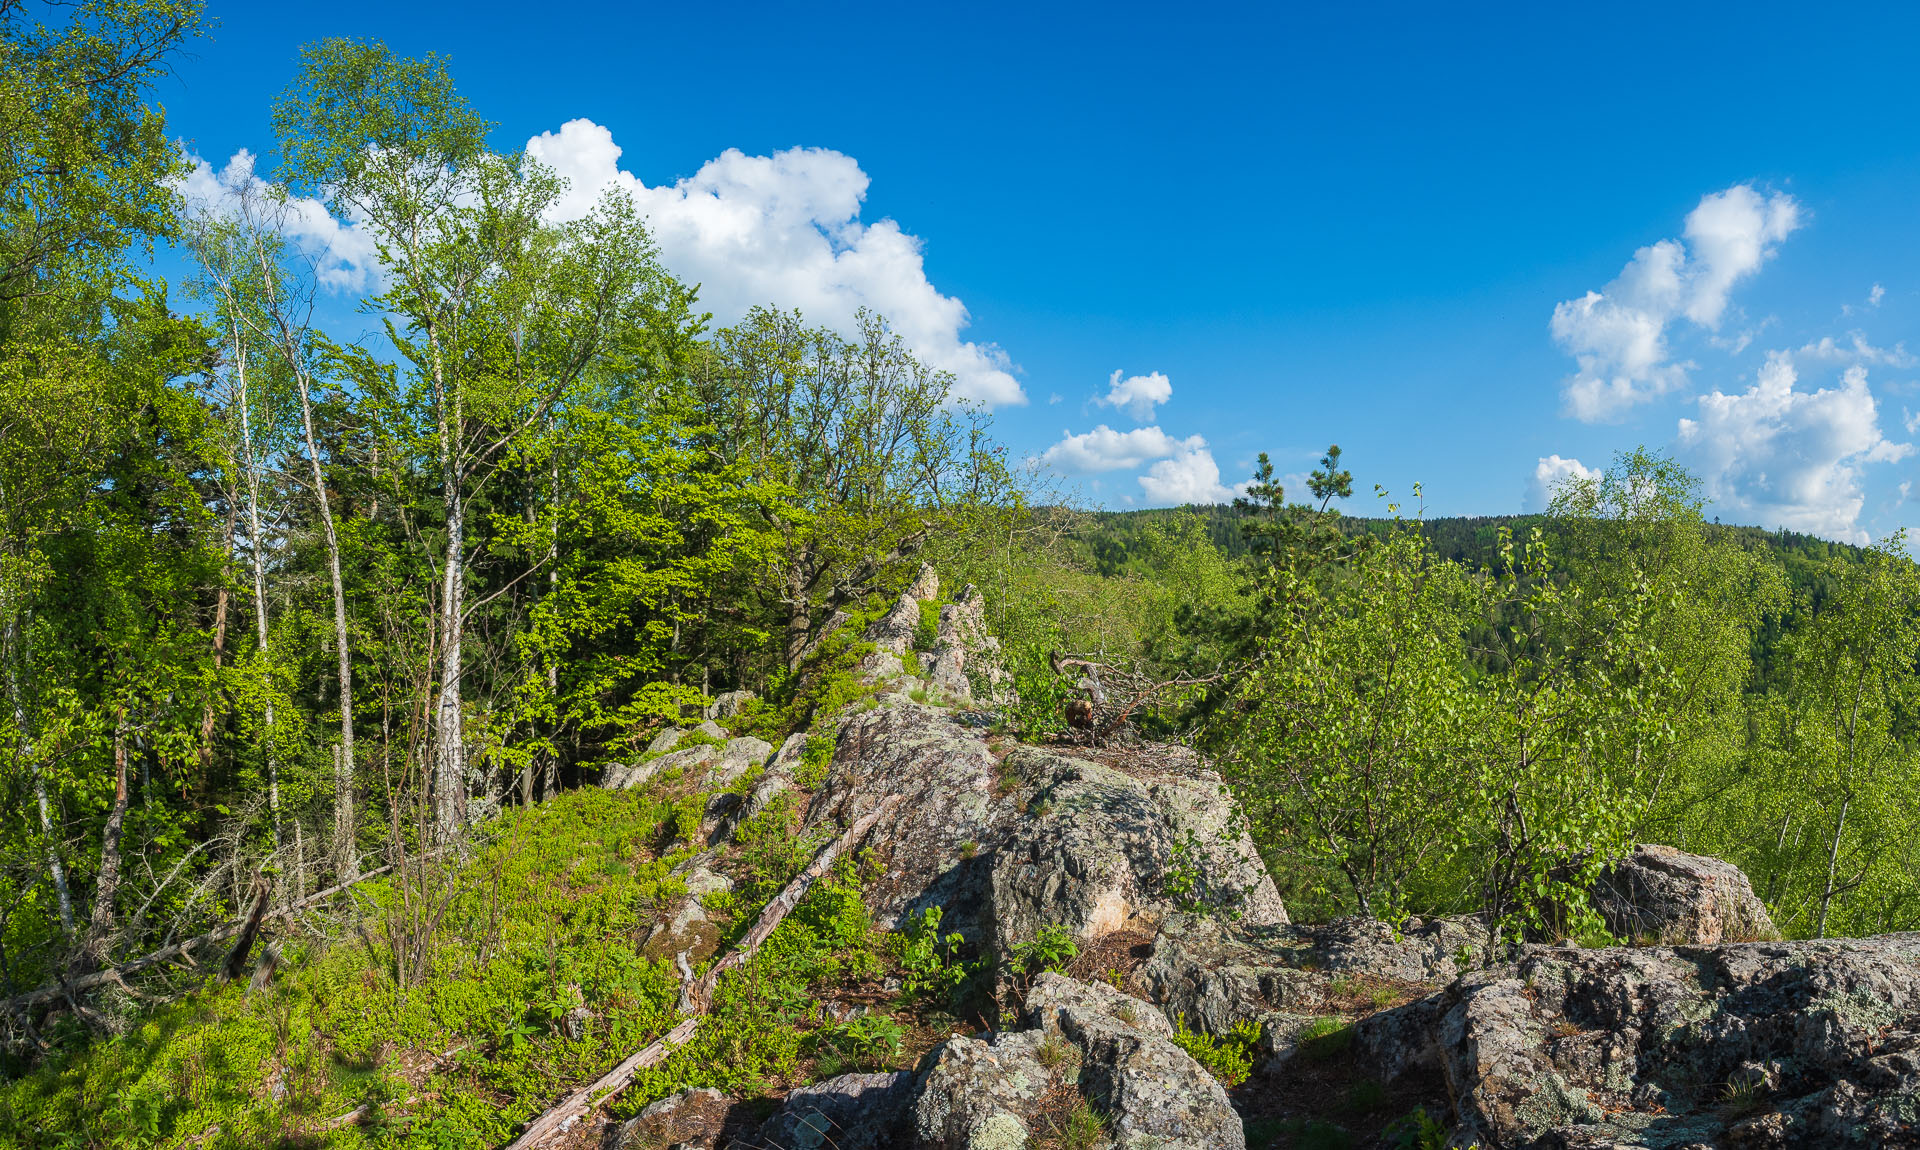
1283, 226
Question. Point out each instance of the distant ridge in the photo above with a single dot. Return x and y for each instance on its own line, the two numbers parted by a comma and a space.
1469, 539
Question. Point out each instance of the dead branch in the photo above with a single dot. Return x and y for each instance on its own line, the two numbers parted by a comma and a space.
697, 998
1130, 690
181, 951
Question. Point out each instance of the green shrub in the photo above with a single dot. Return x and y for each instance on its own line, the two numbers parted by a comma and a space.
1050, 950
1418, 1131
870, 1042
927, 632
1228, 1057
1080, 1128
548, 916
815, 757
930, 962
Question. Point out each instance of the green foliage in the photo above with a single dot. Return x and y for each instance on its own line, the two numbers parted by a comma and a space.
697, 738
1052, 949
1228, 1057
1418, 1131
546, 918
930, 962
869, 1042
816, 757
928, 628
1080, 1128
1325, 1039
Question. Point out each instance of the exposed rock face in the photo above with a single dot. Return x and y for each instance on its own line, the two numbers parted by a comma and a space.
1801, 1044
1002, 1092
981, 1094
689, 928
727, 704
723, 763
1661, 895
1153, 1093
1100, 850
1053, 996
851, 1112
962, 642
949, 779
893, 633
1219, 974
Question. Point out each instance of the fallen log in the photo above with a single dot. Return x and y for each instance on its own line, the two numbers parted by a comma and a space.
179, 950
697, 997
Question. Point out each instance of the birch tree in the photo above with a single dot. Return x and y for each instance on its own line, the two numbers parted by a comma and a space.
495, 310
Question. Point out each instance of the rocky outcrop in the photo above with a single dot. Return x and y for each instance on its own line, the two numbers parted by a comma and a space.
722, 764
1087, 1042
963, 652
1216, 975
689, 929
982, 1093
1038, 839
851, 1112
727, 704
1704, 1041
1802, 1044
893, 632
1665, 896
931, 851
1053, 996
1100, 850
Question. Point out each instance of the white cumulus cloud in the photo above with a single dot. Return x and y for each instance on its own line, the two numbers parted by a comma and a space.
1104, 449
1549, 474
343, 254
1190, 476
1856, 349
1791, 458
1618, 336
1137, 394
786, 230
1183, 470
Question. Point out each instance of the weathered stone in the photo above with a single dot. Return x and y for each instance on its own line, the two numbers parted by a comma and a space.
727, 704
1668, 897
980, 1094
851, 1112
947, 777
1088, 1039
693, 1119
926, 584
1650, 1047
775, 781
737, 758
665, 741
689, 928
1100, 850
1219, 974
693, 758
1153, 1093
893, 632
1052, 994
962, 642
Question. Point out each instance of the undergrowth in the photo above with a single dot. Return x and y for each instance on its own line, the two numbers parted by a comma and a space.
533, 982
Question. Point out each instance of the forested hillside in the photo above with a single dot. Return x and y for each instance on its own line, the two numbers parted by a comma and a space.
293, 619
